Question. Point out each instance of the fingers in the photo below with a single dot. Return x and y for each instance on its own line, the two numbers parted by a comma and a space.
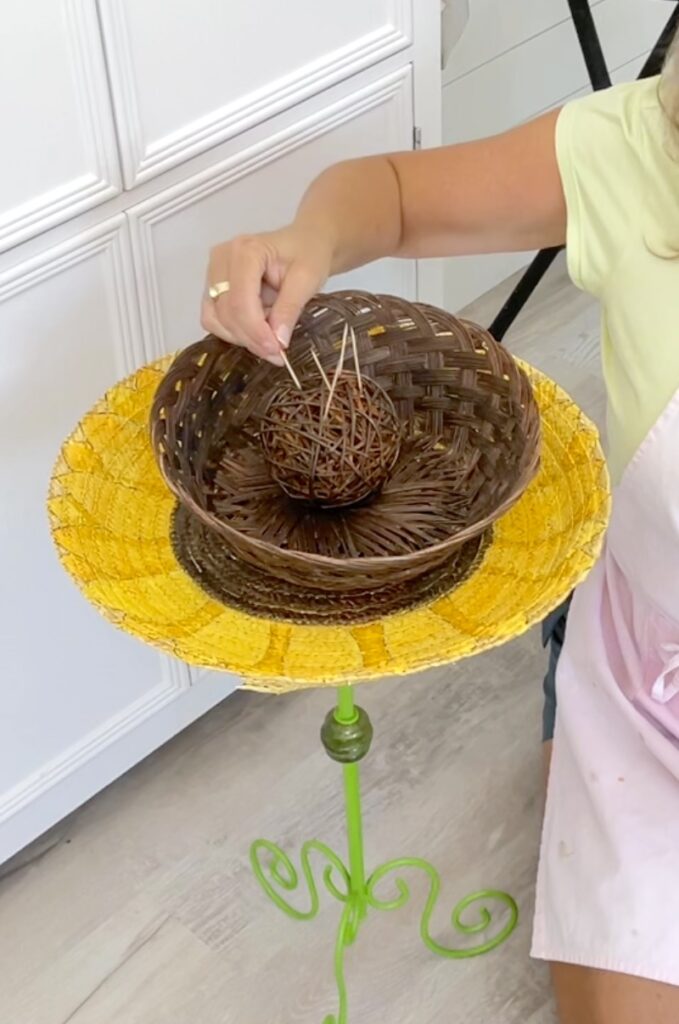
298, 286
238, 316
241, 309
271, 277
213, 325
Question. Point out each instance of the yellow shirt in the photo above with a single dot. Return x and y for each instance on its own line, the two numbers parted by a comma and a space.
621, 181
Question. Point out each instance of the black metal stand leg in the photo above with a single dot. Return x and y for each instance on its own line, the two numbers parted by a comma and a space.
523, 291
590, 44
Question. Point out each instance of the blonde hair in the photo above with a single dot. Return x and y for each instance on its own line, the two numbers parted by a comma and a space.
660, 237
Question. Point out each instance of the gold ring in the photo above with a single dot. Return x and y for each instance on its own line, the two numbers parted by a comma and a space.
215, 290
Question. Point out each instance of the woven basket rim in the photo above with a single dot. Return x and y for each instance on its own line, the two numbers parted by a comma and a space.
306, 558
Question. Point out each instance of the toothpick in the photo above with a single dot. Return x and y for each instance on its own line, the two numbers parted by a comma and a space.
338, 370
314, 356
288, 367
356, 363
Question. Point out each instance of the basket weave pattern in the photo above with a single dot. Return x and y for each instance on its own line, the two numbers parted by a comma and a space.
470, 444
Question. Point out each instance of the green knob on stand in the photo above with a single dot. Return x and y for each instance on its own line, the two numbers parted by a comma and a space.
347, 741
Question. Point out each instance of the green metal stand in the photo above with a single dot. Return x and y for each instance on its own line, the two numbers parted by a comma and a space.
347, 735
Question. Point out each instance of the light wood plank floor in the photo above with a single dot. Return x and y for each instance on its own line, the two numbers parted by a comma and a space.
141, 908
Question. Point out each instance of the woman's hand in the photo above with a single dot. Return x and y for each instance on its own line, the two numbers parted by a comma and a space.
270, 277
495, 195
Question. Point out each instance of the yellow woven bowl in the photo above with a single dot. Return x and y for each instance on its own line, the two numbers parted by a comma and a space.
110, 515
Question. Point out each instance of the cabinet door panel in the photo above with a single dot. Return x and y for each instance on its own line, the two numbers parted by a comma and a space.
245, 62
58, 137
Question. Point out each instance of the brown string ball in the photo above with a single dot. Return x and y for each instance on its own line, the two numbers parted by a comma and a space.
332, 450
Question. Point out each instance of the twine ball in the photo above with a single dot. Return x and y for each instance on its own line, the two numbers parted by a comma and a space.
336, 454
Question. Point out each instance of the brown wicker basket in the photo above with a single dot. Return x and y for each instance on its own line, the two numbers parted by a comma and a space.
470, 447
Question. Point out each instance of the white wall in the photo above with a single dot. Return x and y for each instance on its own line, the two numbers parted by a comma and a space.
516, 60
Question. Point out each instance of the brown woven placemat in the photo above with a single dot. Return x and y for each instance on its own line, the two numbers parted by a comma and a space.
203, 555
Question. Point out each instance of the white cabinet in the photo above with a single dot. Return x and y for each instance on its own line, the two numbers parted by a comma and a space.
183, 83
74, 690
59, 154
207, 151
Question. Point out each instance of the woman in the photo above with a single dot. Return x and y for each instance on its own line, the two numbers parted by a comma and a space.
603, 176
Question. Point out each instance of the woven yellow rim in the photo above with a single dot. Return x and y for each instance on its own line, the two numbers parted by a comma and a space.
110, 518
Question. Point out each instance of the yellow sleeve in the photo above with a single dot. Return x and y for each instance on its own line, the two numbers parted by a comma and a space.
599, 162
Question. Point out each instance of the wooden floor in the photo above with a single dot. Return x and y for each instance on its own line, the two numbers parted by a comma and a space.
141, 909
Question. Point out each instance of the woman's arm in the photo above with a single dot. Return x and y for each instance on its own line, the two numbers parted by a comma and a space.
495, 195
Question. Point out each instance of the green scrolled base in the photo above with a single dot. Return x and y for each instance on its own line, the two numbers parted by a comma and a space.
278, 877
347, 733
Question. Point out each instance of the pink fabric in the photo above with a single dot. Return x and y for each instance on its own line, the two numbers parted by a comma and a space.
607, 893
